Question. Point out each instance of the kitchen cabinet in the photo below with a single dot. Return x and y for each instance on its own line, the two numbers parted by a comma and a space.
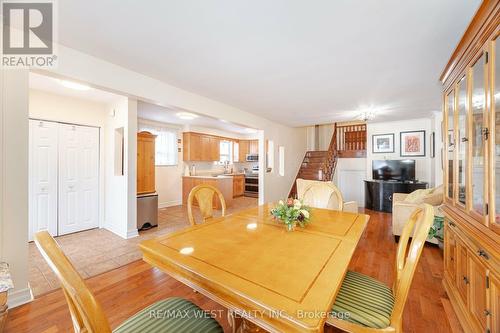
244, 147
477, 305
471, 280
200, 147
224, 184
471, 119
495, 303
238, 185
145, 163
254, 147
450, 254
462, 275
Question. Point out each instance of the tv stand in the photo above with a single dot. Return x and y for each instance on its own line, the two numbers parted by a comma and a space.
378, 193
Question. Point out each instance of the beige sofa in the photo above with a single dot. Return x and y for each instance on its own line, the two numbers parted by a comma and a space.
303, 184
402, 209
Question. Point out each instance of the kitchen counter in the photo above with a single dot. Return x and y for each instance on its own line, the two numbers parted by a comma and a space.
210, 177
224, 183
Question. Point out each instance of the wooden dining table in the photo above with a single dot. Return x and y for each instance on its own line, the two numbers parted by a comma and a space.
267, 277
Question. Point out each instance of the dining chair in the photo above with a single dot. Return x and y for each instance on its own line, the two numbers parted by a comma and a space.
366, 305
204, 195
320, 194
87, 314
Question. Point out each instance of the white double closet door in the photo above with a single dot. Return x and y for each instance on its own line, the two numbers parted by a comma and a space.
64, 177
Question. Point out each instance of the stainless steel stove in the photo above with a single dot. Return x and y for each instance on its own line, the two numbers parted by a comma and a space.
252, 184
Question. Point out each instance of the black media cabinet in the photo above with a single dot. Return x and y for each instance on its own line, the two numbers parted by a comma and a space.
378, 193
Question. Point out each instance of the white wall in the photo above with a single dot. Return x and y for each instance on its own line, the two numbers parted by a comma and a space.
437, 169
423, 171
349, 177
49, 106
120, 212
73, 64
14, 180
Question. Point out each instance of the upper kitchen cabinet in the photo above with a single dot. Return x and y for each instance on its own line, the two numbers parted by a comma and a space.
200, 147
248, 147
244, 150
254, 147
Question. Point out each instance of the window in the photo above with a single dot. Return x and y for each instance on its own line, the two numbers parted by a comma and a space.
165, 144
236, 152
225, 151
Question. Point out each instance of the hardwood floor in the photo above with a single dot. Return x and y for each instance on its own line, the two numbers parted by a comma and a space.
126, 290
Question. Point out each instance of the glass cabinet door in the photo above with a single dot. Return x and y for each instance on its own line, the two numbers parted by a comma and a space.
478, 103
462, 140
495, 126
450, 140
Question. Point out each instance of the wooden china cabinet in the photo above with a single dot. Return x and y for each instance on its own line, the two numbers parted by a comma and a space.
471, 163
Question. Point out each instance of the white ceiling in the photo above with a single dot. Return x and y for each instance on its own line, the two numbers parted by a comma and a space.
168, 115
53, 85
297, 62
145, 110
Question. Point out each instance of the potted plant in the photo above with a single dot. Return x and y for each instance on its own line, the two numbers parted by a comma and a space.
436, 230
293, 212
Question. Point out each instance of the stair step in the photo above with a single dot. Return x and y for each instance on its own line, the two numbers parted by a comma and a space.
315, 159
313, 164
316, 153
352, 153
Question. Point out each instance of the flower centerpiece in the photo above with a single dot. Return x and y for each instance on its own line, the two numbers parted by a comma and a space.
291, 213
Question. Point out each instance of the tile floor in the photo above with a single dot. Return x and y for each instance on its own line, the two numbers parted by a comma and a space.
96, 251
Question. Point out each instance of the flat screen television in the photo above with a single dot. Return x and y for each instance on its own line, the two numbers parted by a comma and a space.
397, 170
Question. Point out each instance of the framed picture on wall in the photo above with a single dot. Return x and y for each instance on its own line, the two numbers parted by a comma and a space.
383, 143
412, 143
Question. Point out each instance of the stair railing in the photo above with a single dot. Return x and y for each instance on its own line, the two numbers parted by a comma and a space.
331, 158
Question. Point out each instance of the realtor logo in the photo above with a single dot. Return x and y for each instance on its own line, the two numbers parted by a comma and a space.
28, 34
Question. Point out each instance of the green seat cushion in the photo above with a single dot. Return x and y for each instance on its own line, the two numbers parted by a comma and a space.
175, 315
364, 301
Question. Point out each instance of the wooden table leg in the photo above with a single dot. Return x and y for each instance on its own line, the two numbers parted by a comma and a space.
3, 310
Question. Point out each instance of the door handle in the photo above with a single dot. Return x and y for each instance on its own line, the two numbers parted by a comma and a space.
466, 280
482, 253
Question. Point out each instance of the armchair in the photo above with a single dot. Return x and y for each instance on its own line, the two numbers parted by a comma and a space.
402, 210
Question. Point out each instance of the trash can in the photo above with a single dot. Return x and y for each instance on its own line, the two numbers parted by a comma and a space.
147, 211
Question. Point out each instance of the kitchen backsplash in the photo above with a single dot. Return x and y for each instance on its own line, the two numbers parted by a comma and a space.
205, 168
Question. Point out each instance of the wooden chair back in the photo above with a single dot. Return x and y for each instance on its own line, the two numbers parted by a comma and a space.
86, 312
407, 257
204, 195
320, 194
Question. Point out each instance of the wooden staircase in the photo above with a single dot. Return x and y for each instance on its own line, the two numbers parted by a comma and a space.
318, 164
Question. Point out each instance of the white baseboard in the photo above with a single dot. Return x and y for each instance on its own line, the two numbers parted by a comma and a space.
113, 230
132, 234
19, 297
129, 234
169, 203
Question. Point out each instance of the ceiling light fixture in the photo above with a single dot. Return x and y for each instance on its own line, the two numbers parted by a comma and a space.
74, 85
186, 115
367, 114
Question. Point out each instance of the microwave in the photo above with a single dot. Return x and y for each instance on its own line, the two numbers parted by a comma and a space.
252, 157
